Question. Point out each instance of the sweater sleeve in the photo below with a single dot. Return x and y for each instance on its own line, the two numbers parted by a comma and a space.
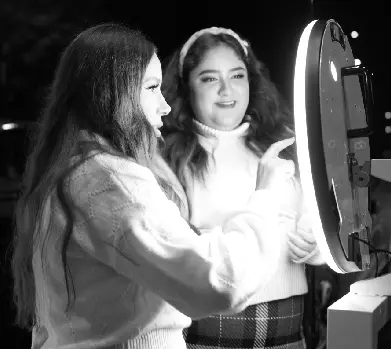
133, 227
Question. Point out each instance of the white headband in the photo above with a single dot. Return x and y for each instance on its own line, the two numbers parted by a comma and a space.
213, 31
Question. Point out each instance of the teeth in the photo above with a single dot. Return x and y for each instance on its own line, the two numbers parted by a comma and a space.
226, 103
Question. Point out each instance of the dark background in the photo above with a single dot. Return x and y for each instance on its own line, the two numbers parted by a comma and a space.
34, 33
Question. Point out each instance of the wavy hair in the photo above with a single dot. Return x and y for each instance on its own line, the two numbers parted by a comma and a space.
269, 117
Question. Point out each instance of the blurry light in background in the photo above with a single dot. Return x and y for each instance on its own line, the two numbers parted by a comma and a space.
388, 129
357, 61
9, 126
354, 34
387, 115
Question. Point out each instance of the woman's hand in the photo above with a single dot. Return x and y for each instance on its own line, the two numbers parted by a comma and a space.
272, 170
302, 242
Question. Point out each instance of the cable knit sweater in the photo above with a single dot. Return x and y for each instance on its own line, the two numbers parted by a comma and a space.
139, 272
228, 185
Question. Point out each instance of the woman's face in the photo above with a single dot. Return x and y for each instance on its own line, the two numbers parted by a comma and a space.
219, 89
152, 101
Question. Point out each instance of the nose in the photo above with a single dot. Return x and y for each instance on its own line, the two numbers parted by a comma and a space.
164, 108
225, 88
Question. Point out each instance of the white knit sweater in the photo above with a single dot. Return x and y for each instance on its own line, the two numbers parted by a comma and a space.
139, 272
228, 186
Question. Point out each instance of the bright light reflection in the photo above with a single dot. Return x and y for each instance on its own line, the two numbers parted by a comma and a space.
333, 69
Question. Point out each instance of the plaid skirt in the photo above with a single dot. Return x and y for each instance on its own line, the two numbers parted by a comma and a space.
271, 325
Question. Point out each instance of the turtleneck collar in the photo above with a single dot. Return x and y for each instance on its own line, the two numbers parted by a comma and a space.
208, 131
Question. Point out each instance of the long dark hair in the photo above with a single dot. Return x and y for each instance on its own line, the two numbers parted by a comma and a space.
96, 89
269, 116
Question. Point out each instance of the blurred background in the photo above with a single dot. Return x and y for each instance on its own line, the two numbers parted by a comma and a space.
34, 33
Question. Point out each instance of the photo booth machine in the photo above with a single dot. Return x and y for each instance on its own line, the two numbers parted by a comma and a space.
333, 109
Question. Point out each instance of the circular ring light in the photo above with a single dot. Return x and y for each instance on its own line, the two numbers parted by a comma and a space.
332, 129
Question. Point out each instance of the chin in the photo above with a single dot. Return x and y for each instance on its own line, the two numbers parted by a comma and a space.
230, 126
229, 121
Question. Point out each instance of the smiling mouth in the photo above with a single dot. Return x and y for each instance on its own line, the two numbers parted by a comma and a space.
229, 104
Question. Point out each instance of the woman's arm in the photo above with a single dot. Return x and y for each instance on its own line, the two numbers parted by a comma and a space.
135, 229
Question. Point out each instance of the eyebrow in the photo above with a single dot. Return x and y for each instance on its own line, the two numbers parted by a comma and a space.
208, 71
152, 78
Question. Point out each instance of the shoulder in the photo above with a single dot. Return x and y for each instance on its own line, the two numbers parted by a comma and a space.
111, 164
105, 175
107, 165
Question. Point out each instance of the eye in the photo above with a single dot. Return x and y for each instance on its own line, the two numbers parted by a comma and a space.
153, 87
239, 76
208, 79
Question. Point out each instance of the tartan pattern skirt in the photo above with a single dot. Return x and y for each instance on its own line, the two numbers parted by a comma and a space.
270, 325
